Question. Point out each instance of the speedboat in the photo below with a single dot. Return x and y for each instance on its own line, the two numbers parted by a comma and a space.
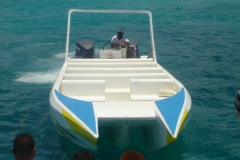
118, 90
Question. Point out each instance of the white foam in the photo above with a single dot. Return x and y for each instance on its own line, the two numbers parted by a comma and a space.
38, 77
50, 75
62, 55
59, 55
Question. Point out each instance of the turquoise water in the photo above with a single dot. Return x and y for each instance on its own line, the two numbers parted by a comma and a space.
198, 42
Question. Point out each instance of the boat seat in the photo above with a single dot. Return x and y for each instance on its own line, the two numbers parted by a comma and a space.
148, 89
97, 60
112, 65
114, 70
115, 81
118, 95
93, 90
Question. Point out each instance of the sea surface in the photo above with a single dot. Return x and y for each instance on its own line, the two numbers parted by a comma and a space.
197, 41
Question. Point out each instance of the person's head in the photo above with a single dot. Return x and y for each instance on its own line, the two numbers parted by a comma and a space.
24, 147
83, 155
120, 33
131, 155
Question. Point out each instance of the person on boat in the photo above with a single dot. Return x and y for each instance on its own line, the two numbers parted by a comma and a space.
83, 155
119, 40
131, 155
24, 147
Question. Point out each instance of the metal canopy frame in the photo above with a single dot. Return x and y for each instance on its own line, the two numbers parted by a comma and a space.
111, 11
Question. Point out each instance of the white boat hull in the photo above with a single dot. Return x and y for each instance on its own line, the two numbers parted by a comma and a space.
160, 117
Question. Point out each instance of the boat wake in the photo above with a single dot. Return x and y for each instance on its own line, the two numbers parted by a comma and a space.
43, 77
38, 77
61, 55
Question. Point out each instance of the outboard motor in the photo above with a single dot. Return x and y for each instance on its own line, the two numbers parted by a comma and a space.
134, 51
85, 49
237, 100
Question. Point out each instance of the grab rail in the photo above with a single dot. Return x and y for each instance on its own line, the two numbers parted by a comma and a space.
111, 11
106, 44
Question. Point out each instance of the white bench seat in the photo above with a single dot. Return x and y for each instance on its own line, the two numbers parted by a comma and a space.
112, 65
149, 89
84, 89
117, 95
115, 81
113, 70
97, 60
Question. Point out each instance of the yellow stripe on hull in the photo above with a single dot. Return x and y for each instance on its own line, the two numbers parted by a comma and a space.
79, 128
183, 120
170, 138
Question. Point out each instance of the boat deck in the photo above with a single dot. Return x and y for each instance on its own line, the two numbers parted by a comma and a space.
116, 80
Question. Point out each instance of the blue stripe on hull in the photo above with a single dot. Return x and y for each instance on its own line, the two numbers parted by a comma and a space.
82, 109
171, 107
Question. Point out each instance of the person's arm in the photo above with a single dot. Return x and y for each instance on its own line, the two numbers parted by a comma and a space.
126, 42
123, 43
113, 42
113, 45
